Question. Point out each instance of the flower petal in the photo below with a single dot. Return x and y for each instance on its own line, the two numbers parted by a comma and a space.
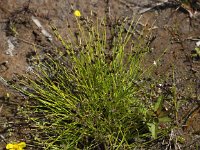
9, 146
22, 144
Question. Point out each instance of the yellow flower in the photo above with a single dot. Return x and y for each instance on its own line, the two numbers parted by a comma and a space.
77, 13
17, 146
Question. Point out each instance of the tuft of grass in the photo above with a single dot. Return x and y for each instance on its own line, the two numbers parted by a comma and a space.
88, 96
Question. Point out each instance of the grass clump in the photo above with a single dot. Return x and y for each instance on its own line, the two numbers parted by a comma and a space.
87, 97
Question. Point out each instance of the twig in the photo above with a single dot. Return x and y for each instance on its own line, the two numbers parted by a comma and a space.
193, 39
1, 108
3, 138
166, 3
27, 42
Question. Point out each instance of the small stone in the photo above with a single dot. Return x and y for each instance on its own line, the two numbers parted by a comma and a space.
198, 43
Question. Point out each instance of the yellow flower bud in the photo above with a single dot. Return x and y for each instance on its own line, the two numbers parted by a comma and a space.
77, 13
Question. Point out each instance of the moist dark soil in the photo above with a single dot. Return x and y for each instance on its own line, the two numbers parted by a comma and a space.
174, 36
